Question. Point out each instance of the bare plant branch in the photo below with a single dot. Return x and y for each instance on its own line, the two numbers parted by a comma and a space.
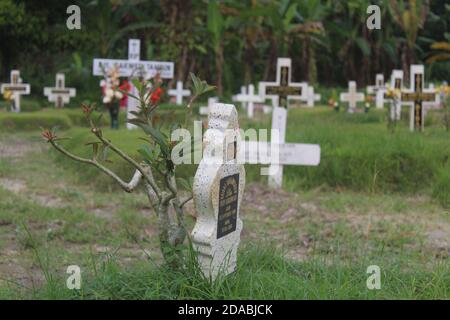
130, 160
128, 187
182, 203
169, 196
150, 190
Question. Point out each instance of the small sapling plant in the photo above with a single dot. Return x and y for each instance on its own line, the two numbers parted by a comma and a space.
157, 171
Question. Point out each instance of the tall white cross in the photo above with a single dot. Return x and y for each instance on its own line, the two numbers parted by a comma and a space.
179, 93
352, 97
207, 109
59, 94
311, 97
379, 90
417, 97
281, 91
134, 67
17, 88
396, 82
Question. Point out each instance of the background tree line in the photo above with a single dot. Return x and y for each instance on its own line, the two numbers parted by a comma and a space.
228, 43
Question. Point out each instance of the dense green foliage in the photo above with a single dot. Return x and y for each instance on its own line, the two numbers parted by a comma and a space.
228, 43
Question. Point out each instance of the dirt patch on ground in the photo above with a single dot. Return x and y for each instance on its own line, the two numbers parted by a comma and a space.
16, 148
46, 200
13, 185
18, 187
299, 226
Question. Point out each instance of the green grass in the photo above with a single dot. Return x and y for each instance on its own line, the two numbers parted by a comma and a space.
27, 104
262, 273
323, 236
46, 118
357, 153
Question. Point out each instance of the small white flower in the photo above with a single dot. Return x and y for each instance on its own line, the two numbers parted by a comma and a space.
118, 95
109, 93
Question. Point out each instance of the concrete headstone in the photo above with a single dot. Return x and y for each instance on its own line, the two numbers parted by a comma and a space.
204, 110
218, 190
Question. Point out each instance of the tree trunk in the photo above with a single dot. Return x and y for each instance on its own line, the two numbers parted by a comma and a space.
171, 238
305, 62
406, 62
178, 15
219, 69
312, 65
271, 61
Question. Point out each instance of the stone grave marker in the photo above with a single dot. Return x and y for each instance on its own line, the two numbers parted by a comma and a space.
134, 67
417, 97
218, 190
59, 94
204, 110
179, 93
352, 97
17, 88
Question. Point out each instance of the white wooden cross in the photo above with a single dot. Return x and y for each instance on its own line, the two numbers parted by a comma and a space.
134, 67
417, 97
437, 102
239, 96
206, 109
278, 155
352, 97
281, 91
379, 90
396, 82
179, 93
311, 97
249, 98
17, 88
59, 94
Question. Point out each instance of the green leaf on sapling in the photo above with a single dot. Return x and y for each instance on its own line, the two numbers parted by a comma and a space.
137, 84
184, 184
200, 86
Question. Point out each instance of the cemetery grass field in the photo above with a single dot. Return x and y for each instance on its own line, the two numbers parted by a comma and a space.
377, 198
